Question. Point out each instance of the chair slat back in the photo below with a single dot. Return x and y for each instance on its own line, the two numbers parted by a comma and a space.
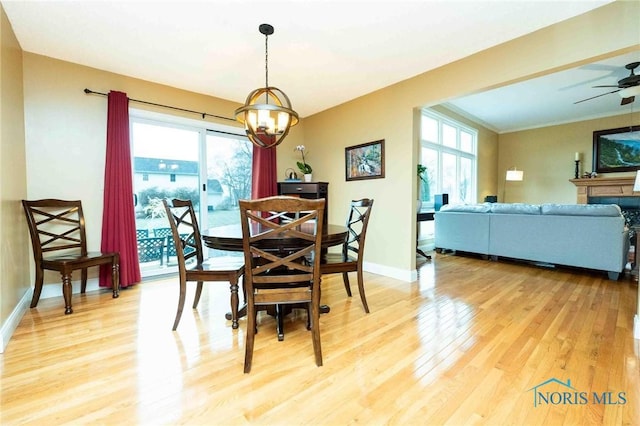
357, 223
185, 232
296, 224
56, 227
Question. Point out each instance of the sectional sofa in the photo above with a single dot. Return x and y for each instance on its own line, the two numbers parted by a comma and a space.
592, 236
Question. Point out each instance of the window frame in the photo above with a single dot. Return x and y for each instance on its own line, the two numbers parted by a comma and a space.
441, 149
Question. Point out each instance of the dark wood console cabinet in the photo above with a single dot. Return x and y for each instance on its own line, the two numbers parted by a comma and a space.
308, 190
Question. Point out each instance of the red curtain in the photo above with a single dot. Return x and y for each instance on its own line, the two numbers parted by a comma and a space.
264, 182
118, 216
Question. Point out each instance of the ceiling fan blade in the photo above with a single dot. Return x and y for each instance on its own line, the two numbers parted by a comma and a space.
597, 96
628, 100
596, 87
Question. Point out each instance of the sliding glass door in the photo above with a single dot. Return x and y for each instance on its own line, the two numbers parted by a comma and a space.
211, 169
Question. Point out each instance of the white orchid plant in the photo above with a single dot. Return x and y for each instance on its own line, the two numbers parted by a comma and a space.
302, 165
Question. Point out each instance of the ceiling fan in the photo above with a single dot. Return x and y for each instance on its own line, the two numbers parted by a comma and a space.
627, 88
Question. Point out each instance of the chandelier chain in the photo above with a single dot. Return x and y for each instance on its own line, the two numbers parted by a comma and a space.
266, 61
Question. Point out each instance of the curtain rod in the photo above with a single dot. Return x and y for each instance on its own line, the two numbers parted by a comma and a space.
203, 114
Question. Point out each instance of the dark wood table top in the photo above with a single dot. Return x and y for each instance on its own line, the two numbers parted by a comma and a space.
230, 238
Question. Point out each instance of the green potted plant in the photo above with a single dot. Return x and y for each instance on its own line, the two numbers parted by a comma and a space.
423, 184
304, 167
421, 171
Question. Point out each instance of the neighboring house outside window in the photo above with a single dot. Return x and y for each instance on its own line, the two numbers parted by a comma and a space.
154, 171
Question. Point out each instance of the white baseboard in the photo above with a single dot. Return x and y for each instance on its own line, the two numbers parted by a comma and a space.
636, 327
55, 289
12, 322
396, 273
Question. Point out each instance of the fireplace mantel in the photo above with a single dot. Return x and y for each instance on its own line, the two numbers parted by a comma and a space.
604, 187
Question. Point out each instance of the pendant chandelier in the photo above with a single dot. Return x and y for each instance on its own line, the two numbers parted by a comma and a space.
267, 115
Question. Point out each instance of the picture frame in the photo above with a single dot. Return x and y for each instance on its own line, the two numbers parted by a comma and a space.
364, 161
616, 150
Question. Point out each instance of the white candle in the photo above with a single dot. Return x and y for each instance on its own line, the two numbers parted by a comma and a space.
577, 156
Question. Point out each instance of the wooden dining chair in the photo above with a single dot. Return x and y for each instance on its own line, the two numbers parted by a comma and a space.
192, 263
59, 242
352, 254
279, 274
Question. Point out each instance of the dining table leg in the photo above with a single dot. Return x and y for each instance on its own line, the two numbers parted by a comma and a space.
278, 313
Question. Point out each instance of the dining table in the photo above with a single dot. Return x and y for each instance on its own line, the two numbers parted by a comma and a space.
229, 238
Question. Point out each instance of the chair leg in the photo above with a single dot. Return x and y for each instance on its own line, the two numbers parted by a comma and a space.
309, 307
315, 332
115, 278
251, 334
234, 302
280, 323
244, 293
345, 280
66, 292
183, 291
37, 289
361, 290
196, 299
83, 281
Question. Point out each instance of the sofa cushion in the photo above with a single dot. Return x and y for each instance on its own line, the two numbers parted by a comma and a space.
467, 208
515, 208
612, 210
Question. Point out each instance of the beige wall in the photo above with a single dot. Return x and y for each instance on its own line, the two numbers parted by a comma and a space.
388, 114
14, 249
547, 157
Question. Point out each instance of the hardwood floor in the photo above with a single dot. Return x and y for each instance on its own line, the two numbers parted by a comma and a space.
465, 344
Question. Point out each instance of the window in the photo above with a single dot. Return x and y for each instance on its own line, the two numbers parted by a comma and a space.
449, 152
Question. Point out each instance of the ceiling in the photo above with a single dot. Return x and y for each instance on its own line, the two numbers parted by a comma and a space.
551, 99
323, 53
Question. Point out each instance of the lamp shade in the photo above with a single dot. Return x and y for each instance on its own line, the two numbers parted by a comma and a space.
514, 174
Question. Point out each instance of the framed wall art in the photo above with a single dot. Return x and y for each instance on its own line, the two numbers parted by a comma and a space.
616, 150
364, 161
